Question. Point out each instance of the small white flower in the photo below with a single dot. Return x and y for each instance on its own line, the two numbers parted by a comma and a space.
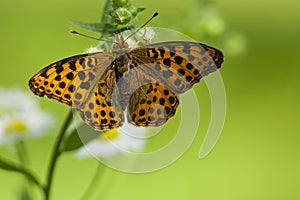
132, 43
142, 37
93, 50
20, 116
123, 140
146, 35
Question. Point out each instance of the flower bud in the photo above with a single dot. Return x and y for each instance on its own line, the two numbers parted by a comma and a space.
121, 16
119, 3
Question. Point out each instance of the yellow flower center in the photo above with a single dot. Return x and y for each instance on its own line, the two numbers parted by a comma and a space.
109, 135
15, 126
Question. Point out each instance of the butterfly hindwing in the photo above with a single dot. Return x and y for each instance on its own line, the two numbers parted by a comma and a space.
151, 105
102, 110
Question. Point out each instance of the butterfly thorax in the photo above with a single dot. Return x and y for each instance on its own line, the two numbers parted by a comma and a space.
120, 65
122, 58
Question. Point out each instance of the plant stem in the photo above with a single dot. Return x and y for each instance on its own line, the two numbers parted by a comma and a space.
32, 178
24, 162
22, 153
55, 155
10, 166
94, 184
107, 7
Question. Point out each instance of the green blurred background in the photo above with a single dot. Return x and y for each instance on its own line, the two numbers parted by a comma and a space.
258, 154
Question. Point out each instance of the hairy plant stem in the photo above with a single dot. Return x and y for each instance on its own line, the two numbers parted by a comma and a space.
11, 166
93, 186
55, 155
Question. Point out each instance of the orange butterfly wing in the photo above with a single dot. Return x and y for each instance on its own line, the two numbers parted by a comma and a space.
168, 69
83, 82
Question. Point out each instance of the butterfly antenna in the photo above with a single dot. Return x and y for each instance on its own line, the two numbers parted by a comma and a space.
87, 36
149, 20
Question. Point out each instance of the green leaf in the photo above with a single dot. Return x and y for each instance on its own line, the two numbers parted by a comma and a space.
103, 28
118, 30
135, 11
96, 27
107, 9
120, 3
79, 137
141, 9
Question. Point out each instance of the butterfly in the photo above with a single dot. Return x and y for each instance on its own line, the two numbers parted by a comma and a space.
145, 81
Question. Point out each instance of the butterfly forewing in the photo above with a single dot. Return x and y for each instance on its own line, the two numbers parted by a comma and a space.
178, 65
72, 79
164, 70
84, 82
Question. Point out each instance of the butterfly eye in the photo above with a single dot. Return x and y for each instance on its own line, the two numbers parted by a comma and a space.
116, 46
125, 45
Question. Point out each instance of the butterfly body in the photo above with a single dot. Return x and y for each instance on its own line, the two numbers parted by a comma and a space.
144, 81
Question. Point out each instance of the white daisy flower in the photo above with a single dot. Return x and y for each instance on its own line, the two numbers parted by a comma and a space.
123, 140
20, 116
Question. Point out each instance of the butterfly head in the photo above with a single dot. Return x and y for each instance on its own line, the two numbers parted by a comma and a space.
120, 43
